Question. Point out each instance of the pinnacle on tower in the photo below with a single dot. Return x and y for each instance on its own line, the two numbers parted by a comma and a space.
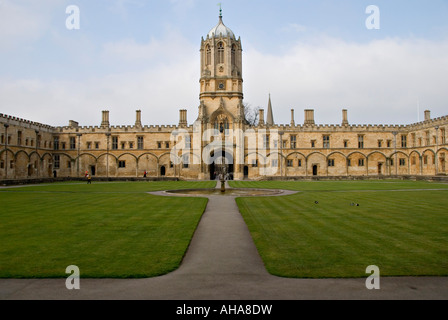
269, 116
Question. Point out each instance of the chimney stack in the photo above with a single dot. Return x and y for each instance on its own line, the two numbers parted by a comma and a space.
427, 115
344, 117
105, 122
309, 116
182, 117
292, 118
138, 118
261, 117
73, 124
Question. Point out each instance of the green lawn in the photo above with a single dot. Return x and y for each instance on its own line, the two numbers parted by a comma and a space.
400, 226
116, 229
112, 229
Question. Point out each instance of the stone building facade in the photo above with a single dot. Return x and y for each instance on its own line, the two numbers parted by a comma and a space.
222, 138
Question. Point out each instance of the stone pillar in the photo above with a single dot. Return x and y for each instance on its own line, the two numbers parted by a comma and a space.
292, 118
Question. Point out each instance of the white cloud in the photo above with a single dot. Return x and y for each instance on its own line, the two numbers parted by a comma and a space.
159, 88
22, 22
378, 82
294, 27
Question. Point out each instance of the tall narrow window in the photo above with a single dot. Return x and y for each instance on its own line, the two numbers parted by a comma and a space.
19, 138
57, 162
293, 142
443, 136
114, 143
326, 141
404, 141
72, 143
220, 52
233, 57
140, 143
266, 141
208, 55
360, 141
185, 160
55, 143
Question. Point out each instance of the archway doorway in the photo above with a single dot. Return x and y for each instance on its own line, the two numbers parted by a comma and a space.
246, 172
314, 169
92, 170
380, 168
162, 171
219, 159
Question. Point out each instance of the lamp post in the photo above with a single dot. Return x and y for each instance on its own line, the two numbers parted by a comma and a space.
174, 133
395, 151
77, 158
6, 150
437, 149
281, 154
107, 155
37, 153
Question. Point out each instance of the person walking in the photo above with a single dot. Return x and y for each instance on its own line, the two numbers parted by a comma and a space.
89, 179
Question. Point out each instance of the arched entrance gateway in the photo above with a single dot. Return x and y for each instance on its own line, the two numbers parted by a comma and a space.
221, 161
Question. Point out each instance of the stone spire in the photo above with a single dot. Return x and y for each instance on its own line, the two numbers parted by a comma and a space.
269, 116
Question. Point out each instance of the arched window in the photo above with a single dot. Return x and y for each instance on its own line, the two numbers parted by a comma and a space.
233, 55
222, 124
220, 52
208, 55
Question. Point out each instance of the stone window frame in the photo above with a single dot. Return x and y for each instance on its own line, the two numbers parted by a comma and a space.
140, 143
326, 141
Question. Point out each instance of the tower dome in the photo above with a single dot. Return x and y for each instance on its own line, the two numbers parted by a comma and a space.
221, 29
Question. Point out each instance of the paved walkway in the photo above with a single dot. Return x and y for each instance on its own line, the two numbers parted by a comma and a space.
222, 263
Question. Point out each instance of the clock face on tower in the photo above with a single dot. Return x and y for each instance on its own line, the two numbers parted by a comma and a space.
221, 86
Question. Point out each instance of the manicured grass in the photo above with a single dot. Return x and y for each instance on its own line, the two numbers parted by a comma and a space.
112, 229
397, 226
